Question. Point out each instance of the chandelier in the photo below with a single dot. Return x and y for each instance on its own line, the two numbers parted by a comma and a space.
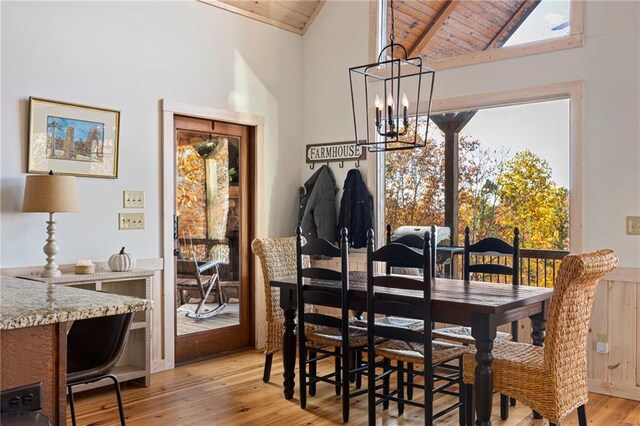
380, 94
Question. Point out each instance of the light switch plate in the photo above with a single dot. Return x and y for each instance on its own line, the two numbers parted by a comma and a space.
133, 199
633, 225
130, 220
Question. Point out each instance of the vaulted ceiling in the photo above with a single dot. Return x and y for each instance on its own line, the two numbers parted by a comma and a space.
291, 15
438, 29
435, 29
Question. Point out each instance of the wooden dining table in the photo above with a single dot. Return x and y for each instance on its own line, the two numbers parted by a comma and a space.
480, 305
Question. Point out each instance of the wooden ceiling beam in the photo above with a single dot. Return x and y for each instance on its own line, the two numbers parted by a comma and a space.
513, 23
433, 27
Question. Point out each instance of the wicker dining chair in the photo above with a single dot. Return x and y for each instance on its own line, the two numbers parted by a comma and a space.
552, 380
278, 260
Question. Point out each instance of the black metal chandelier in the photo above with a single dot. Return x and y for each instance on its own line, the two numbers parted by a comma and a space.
381, 107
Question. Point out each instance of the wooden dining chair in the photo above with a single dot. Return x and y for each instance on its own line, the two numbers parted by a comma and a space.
278, 260
552, 380
403, 344
321, 335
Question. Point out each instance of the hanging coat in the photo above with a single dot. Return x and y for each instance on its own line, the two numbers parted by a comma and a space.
356, 209
317, 215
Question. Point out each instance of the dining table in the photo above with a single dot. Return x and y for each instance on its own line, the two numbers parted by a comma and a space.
480, 305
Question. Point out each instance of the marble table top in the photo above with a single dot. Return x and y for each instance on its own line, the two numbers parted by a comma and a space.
25, 303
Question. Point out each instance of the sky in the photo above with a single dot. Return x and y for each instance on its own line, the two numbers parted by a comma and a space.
540, 23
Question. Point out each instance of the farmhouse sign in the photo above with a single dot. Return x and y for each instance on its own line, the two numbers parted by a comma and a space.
335, 151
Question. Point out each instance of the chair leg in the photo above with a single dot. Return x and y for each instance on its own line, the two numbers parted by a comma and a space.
400, 379
536, 415
302, 373
512, 402
470, 408
267, 368
371, 385
345, 380
358, 365
504, 407
385, 383
582, 416
462, 395
554, 424
313, 372
116, 383
352, 362
72, 406
410, 374
338, 369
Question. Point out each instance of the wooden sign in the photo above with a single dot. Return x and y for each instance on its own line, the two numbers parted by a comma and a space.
335, 151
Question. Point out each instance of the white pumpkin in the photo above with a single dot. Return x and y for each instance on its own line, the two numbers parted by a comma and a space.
122, 262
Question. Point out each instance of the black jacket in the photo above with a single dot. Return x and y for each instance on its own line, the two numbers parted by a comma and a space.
356, 209
317, 215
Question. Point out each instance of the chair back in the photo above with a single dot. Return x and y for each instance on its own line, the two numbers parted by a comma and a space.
277, 260
416, 242
314, 293
565, 347
492, 247
95, 345
393, 302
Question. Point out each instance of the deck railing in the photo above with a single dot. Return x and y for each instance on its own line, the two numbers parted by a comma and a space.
537, 267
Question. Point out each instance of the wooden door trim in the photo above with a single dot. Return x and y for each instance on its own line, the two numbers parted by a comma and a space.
169, 109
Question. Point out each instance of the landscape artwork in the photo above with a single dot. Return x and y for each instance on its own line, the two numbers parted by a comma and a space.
77, 140
73, 139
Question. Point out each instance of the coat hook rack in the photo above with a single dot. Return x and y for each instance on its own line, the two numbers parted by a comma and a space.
312, 166
341, 165
357, 164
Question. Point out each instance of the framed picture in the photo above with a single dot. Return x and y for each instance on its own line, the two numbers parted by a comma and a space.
72, 139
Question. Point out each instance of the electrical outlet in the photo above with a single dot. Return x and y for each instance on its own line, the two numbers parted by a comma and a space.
24, 398
633, 225
130, 220
133, 199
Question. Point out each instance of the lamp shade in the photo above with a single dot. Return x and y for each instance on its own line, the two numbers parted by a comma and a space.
50, 194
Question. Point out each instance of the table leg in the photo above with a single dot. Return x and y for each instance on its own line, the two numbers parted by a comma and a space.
483, 329
538, 327
288, 305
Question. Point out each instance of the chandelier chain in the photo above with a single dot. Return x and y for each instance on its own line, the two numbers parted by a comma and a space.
393, 25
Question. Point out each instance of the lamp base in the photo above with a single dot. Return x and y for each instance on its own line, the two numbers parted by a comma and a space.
54, 273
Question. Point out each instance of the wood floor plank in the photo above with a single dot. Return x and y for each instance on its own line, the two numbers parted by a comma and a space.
229, 391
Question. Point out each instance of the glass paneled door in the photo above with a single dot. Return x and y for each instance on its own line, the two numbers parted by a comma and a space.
213, 210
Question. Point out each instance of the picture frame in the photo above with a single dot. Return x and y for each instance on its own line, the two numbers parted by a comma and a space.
73, 139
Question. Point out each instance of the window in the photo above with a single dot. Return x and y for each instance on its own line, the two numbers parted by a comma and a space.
513, 171
457, 33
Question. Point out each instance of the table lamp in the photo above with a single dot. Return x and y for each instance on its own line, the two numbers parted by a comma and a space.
50, 194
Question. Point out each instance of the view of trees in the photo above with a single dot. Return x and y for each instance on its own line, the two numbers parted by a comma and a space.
498, 190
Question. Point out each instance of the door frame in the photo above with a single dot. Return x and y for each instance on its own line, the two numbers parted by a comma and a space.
169, 109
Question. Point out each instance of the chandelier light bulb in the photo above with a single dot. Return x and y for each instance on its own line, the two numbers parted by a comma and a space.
405, 100
390, 100
379, 102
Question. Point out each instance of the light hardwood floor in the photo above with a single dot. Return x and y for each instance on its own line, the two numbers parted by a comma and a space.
229, 391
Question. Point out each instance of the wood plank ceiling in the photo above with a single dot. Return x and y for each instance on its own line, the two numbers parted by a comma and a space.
291, 15
437, 29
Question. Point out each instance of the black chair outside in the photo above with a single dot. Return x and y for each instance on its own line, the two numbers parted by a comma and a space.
323, 332
416, 242
406, 345
94, 347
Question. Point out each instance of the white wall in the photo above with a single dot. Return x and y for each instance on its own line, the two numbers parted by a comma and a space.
337, 40
128, 56
609, 64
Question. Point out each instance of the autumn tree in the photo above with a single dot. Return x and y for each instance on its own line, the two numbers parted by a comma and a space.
533, 202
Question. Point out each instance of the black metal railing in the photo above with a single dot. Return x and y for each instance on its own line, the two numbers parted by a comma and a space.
537, 267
